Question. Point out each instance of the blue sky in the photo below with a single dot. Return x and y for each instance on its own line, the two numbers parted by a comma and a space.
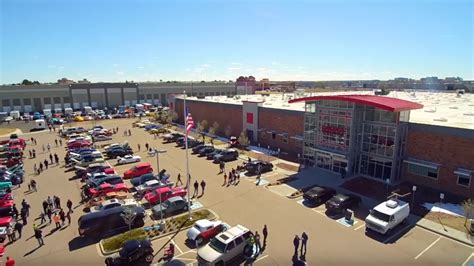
206, 40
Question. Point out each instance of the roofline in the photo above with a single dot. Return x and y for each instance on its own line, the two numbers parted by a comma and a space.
351, 98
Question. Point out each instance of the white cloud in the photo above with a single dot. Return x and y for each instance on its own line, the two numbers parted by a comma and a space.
235, 63
140, 67
205, 65
233, 68
120, 73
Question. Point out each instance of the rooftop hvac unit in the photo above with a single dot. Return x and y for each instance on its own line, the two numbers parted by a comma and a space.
392, 204
440, 119
469, 114
431, 110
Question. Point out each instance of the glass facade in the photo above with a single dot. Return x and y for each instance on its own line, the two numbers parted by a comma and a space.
348, 138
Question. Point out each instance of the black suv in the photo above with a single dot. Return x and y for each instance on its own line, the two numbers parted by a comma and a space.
132, 252
253, 166
227, 155
118, 152
341, 202
318, 194
172, 137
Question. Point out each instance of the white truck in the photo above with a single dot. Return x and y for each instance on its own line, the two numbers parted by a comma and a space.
15, 114
47, 112
68, 111
387, 215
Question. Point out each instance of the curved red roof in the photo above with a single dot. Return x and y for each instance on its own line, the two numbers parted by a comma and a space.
381, 102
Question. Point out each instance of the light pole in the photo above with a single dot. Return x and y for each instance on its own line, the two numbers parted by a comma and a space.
159, 194
413, 195
387, 181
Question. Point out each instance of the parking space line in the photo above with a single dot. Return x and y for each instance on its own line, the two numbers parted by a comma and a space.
360, 226
397, 234
427, 248
177, 247
467, 260
452, 240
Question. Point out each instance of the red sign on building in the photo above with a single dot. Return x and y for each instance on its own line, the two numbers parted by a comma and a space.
333, 130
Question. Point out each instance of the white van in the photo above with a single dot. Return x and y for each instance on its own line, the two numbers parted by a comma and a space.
58, 110
47, 112
15, 114
387, 215
68, 111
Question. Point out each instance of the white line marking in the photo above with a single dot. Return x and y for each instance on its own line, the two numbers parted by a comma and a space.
261, 258
397, 234
428, 247
360, 226
467, 260
174, 243
191, 250
452, 240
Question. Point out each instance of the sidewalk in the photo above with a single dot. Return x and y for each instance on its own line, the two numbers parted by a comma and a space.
446, 231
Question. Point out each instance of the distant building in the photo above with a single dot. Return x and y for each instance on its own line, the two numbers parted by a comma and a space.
84, 81
246, 85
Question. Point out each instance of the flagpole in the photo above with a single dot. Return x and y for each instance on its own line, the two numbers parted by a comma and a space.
186, 149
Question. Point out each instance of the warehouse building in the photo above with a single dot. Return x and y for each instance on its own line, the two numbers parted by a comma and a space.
426, 138
36, 98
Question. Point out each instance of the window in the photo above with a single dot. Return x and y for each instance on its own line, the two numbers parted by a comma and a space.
230, 246
239, 240
464, 180
47, 100
423, 170
249, 118
57, 99
66, 100
16, 102
285, 138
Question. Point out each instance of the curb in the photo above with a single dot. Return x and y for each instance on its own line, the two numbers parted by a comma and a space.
446, 235
104, 253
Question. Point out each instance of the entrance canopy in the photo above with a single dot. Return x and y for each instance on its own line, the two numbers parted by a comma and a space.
381, 102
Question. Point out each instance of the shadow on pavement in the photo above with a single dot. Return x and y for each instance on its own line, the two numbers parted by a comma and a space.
81, 242
31, 251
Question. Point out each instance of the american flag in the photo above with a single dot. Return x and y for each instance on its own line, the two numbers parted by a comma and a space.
190, 123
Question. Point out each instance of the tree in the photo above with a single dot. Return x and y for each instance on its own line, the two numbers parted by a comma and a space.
36, 82
128, 217
26, 82
228, 131
202, 126
214, 128
171, 117
468, 207
243, 139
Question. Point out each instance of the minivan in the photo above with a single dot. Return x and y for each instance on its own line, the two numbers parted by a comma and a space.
108, 222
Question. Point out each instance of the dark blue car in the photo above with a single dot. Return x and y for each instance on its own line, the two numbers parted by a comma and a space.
136, 181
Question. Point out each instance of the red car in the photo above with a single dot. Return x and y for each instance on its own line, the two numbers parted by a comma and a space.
138, 170
105, 188
5, 199
79, 144
166, 193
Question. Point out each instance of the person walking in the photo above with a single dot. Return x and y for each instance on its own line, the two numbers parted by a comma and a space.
49, 147
296, 243
23, 217
10, 262
203, 186
44, 148
60, 142
129, 133
10, 234
51, 158
15, 211
147, 146
225, 179
43, 218
41, 167
56, 158
68, 216
257, 241
179, 180
56, 142
26, 206
49, 213
34, 153
31, 154
18, 228
304, 242
196, 189
221, 167
39, 236
69, 205
45, 206
35, 168
62, 215
50, 202
57, 202
139, 146
259, 174
46, 163
57, 220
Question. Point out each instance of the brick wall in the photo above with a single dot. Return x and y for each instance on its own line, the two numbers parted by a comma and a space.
281, 121
449, 150
224, 114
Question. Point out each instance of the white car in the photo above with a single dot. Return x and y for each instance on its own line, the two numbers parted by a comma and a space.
129, 159
101, 138
148, 186
112, 203
209, 228
7, 119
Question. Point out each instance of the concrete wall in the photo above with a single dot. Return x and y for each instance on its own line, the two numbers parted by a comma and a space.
452, 148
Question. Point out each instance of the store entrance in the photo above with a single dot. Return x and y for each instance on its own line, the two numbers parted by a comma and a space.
332, 162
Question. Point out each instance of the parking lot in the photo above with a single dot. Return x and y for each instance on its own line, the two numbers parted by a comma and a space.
330, 242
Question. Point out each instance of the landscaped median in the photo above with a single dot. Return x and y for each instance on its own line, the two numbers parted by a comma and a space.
172, 225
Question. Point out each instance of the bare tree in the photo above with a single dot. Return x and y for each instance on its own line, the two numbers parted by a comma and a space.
171, 117
128, 217
214, 128
228, 131
202, 126
243, 139
468, 207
